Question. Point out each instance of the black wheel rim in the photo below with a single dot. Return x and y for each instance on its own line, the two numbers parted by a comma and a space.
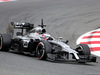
40, 51
83, 49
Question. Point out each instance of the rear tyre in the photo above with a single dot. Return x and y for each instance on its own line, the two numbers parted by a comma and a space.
42, 49
5, 42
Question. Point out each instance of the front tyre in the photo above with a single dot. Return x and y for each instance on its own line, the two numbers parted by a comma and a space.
42, 49
83, 49
84, 53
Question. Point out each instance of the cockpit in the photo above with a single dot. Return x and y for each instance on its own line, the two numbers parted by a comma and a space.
41, 32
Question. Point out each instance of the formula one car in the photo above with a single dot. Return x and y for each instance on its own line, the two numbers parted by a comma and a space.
35, 40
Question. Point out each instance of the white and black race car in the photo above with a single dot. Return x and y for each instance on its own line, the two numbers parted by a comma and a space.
35, 40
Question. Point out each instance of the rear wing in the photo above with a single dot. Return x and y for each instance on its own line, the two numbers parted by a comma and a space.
16, 25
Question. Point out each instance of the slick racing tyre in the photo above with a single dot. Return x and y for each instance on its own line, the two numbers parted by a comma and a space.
42, 49
5, 42
83, 52
83, 49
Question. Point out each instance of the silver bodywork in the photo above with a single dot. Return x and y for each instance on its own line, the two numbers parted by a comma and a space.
30, 40
34, 35
66, 48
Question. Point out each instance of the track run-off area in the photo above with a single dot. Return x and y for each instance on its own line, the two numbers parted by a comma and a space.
69, 19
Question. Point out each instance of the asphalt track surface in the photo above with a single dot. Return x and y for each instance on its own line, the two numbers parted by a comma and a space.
66, 18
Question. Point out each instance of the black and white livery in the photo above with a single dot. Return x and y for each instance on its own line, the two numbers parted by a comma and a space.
35, 41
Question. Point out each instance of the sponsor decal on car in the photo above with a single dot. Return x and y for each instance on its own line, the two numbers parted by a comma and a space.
92, 39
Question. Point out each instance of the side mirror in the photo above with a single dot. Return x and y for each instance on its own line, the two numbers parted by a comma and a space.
60, 38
